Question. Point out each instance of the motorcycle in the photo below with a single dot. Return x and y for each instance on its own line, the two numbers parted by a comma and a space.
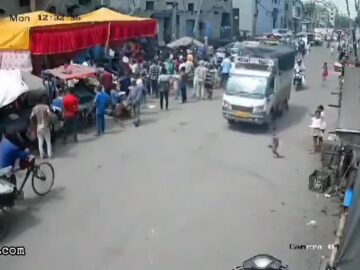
298, 79
337, 67
262, 262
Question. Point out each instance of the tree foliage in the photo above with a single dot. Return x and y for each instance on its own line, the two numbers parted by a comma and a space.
342, 21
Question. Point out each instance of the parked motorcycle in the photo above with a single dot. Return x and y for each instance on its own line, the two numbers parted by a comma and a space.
262, 262
298, 79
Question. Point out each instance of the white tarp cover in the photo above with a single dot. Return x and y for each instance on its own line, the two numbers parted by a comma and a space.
11, 86
184, 42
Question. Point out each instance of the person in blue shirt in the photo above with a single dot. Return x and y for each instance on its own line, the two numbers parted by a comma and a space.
225, 70
10, 151
102, 101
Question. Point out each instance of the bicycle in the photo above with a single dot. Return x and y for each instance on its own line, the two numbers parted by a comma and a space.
38, 176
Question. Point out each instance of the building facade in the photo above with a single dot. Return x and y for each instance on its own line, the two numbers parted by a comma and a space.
323, 13
262, 16
271, 15
245, 20
295, 15
179, 18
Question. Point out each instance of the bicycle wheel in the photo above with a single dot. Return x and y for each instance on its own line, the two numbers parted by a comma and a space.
43, 178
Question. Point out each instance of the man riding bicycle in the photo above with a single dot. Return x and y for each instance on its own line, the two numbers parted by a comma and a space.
10, 152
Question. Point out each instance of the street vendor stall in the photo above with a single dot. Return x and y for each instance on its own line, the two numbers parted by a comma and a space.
43, 33
38, 34
82, 79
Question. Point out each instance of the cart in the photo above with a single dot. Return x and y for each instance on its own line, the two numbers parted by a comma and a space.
82, 79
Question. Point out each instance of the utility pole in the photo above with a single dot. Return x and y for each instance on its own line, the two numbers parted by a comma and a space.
256, 13
197, 19
174, 21
352, 29
32, 5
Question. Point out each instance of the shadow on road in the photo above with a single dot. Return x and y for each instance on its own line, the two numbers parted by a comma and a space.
22, 217
295, 114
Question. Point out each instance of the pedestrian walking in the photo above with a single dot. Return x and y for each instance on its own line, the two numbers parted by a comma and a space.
210, 80
199, 81
41, 113
154, 73
102, 101
134, 100
325, 71
225, 70
70, 113
182, 84
164, 88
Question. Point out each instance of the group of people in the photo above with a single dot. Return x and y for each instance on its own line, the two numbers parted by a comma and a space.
156, 79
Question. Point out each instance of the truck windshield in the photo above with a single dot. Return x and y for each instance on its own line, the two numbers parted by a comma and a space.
247, 86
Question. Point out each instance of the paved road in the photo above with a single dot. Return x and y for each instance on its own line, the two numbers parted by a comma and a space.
183, 191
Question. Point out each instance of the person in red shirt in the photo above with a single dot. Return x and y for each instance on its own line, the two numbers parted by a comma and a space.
70, 110
106, 81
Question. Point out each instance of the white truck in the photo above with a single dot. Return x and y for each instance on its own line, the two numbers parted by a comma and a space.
259, 86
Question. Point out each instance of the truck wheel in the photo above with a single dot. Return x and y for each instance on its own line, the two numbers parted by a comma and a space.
231, 122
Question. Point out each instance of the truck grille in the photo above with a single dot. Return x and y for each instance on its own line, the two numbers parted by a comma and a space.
241, 108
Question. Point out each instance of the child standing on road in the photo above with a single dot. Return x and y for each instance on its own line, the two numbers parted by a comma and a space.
275, 145
316, 131
325, 71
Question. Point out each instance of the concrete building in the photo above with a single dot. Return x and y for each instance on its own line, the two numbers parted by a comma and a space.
325, 13
245, 20
262, 16
177, 18
294, 15
271, 15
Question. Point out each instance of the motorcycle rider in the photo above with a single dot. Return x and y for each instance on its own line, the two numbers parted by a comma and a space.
301, 67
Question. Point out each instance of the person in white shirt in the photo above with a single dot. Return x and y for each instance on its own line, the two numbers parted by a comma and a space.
316, 131
199, 81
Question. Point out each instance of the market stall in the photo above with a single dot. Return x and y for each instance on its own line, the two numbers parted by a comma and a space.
44, 33
40, 33
82, 79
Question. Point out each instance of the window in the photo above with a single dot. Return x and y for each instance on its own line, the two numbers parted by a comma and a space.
84, 2
149, 5
169, 5
190, 7
24, 3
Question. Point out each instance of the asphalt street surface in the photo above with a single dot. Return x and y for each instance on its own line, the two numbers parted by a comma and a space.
182, 191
